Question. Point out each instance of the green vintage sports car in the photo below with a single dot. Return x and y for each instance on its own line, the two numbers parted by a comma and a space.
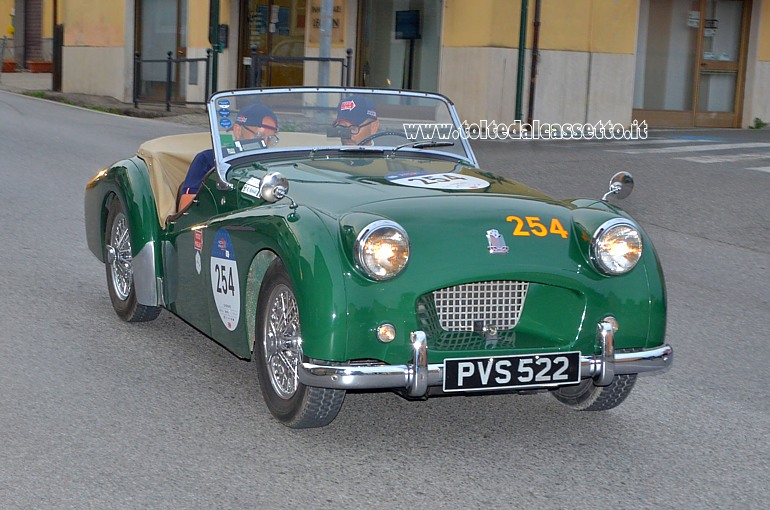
365, 249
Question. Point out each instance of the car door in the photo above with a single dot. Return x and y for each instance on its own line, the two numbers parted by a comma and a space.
230, 247
187, 282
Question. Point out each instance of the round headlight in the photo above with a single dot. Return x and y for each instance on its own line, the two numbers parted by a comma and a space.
616, 247
382, 250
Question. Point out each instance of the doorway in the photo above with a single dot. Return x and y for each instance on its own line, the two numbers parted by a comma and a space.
399, 44
275, 28
690, 62
161, 26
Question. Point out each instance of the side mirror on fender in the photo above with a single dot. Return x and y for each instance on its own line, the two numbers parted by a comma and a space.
621, 185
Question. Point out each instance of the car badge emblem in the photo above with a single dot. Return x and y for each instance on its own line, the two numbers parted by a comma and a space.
496, 242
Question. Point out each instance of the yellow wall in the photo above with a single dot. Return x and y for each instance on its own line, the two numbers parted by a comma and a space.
764, 32
606, 26
485, 23
6, 6
198, 30
198, 21
47, 19
95, 24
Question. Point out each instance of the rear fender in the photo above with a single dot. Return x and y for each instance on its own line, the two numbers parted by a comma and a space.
129, 182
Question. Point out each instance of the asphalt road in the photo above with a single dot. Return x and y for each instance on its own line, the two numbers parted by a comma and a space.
97, 413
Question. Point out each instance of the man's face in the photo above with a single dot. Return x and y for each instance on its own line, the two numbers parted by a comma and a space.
267, 131
364, 131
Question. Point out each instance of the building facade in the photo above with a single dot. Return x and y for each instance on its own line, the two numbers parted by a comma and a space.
27, 26
669, 62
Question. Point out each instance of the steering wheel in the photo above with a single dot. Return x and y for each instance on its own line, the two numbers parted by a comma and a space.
382, 133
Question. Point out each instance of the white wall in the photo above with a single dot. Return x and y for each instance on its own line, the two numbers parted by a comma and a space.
97, 71
570, 86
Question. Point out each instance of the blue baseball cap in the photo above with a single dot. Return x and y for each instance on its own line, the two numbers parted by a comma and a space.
356, 109
254, 114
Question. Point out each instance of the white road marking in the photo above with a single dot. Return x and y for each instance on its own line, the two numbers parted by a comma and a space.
727, 158
760, 169
645, 142
696, 148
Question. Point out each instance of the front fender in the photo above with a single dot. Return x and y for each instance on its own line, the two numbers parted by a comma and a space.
129, 182
308, 244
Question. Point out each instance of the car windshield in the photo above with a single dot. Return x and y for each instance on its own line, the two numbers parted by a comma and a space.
271, 121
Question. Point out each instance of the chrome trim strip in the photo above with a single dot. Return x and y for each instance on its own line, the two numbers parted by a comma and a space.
145, 284
635, 362
416, 376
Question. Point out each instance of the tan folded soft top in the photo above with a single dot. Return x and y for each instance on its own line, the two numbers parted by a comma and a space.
168, 158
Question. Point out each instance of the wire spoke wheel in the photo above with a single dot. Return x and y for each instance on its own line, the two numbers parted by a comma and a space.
280, 341
121, 266
278, 354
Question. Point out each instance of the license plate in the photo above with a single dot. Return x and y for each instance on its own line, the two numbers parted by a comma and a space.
506, 372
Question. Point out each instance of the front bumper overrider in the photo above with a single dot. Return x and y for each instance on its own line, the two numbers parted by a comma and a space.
416, 376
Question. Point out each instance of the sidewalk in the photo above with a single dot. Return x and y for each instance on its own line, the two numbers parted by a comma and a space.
39, 85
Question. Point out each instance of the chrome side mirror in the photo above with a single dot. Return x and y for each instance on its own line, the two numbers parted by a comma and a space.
621, 185
274, 187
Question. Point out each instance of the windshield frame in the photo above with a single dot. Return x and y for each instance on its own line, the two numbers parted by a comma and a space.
223, 163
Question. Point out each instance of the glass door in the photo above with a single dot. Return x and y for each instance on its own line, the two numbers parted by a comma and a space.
690, 62
720, 69
276, 28
161, 27
399, 44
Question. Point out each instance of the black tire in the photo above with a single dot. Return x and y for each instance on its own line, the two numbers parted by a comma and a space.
289, 401
587, 397
120, 272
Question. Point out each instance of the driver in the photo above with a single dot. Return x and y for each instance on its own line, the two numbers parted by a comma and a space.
255, 121
356, 120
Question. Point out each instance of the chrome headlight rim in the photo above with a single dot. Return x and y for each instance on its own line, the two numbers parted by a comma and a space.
366, 233
603, 229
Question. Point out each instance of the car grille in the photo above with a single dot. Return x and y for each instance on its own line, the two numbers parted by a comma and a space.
459, 317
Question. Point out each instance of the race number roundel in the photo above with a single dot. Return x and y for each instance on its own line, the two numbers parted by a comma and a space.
224, 280
449, 180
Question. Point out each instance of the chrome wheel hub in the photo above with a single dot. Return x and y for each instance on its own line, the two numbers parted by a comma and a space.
282, 341
119, 257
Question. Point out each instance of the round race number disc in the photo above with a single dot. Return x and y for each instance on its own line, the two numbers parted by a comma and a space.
224, 280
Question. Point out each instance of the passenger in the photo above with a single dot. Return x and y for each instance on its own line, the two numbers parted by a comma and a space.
254, 122
356, 120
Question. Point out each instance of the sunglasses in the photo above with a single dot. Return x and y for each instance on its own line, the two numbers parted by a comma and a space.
353, 130
260, 132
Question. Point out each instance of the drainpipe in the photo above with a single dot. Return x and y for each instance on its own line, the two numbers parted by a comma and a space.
214, 40
522, 49
535, 58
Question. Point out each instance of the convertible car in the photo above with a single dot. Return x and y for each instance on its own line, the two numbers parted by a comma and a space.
394, 262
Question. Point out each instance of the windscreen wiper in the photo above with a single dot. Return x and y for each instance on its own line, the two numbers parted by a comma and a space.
423, 145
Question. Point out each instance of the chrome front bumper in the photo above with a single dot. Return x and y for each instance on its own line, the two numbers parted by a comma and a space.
416, 376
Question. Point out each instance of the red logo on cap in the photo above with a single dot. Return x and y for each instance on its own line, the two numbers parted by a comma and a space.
347, 105
241, 118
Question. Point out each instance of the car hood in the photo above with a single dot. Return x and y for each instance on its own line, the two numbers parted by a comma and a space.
337, 186
491, 230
